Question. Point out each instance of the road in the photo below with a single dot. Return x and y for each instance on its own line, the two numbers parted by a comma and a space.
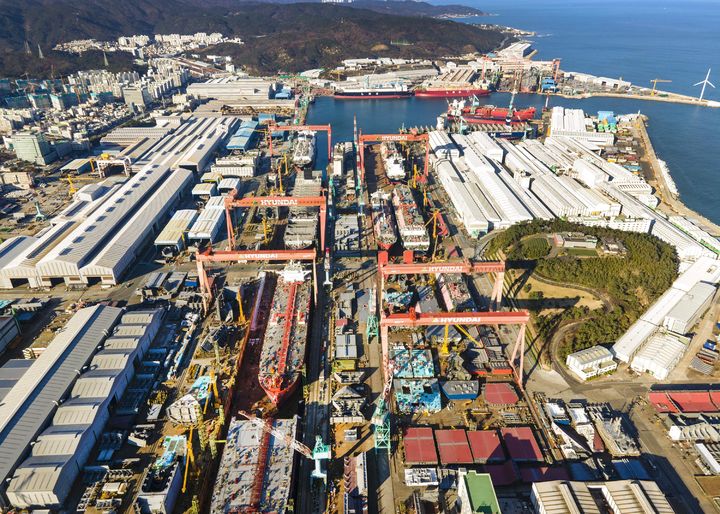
316, 419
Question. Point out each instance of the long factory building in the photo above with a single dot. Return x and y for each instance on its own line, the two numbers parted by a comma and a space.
493, 184
102, 232
54, 409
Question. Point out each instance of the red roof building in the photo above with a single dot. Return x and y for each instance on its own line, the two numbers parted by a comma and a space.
453, 447
521, 444
500, 393
693, 401
419, 446
661, 401
486, 446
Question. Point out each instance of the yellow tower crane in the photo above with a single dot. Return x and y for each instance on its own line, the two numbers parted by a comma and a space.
189, 457
655, 83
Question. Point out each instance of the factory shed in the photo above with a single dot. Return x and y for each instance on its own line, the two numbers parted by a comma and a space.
476, 493
207, 225
9, 250
453, 447
419, 446
521, 444
660, 355
485, 446
500, 393
47, 481
245, 137
10, 373
28, 406
683, 316
112, 261
175, 232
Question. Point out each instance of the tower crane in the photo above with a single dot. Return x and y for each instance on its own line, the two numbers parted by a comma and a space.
319, 453
655, 83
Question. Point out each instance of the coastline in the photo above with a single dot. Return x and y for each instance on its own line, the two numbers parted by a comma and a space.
669, 98
668, 204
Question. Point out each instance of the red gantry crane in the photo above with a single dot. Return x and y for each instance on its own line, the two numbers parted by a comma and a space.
298, 128
210, 255
274, 201
410, 137
385, 268
414, 319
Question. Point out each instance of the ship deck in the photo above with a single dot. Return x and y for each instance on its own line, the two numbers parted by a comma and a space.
238, 478
283, 351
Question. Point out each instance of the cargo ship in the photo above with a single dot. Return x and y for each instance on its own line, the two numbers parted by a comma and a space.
410, 222
383, 223
304, 153
450, 92
490, 114
283, 351
393, 161
302, 222
382, 91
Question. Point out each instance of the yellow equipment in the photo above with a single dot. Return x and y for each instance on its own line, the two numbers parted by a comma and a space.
655, 83
189, 457
71, 182
444, 350
241, 314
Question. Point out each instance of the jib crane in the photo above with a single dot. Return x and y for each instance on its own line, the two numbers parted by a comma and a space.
410, 137
297, 128
232, 202
319, 453
655, 83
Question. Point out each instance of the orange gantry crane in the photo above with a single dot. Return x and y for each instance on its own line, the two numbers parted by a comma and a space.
210, 255
385, 268
232, 202
410, 137
298, 128
414, 319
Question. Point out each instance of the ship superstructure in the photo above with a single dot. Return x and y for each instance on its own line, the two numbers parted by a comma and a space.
393, 161
383, 221
304, 152
283, 351
410, 222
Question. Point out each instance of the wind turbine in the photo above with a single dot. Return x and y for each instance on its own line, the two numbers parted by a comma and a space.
704, 83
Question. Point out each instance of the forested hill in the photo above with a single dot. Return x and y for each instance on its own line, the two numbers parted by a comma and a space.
288, 37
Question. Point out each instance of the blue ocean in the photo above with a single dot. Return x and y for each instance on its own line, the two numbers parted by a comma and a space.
638, 40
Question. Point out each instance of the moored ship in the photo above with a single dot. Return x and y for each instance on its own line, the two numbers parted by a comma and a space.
410, 222
283, 351
382, 91
490, 114
383, 223
450, 92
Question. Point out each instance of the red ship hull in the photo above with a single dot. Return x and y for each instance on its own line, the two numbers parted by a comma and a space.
279, 395
450, 93
491, 114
